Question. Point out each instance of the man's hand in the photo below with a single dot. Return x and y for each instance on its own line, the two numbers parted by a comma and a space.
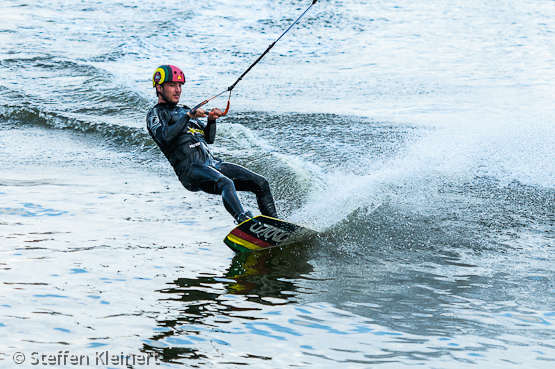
215, 113
199, 113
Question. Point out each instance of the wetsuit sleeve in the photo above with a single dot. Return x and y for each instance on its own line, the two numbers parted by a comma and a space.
210, 131
161, 131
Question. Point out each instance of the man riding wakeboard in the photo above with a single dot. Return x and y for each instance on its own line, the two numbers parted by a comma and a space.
184, 140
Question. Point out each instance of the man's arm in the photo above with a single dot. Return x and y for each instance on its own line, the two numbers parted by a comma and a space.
158, 126
210, 131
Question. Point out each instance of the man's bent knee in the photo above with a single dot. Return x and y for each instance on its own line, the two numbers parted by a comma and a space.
225, 183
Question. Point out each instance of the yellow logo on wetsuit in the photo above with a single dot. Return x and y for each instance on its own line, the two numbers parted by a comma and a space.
193, 131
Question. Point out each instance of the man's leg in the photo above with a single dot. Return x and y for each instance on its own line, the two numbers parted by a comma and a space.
246, 180
209, 180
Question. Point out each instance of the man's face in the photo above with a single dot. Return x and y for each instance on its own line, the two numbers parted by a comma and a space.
170, 91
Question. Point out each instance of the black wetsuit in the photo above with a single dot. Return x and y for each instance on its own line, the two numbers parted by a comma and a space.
185, 141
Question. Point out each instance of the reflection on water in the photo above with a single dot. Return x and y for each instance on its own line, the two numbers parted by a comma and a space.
207, 303
368, 305
268, 274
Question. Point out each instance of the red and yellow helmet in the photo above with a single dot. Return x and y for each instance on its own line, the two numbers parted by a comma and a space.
167, 73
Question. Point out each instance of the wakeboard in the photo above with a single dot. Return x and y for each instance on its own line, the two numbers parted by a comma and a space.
262, 232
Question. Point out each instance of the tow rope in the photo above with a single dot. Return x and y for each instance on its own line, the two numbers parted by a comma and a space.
230, 88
